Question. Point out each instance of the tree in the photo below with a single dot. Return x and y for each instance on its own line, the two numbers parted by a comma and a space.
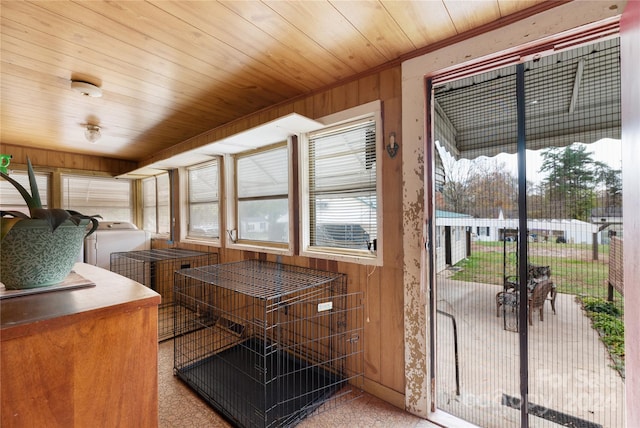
454, 182
493, 189
573, 177
536, 201
481, 187
612, 180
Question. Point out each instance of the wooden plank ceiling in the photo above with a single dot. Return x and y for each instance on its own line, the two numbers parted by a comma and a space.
170, 70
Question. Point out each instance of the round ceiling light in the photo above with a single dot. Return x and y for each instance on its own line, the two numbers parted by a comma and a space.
86, 88
92, 133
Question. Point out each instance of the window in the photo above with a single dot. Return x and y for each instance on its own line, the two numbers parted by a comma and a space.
483, 231
109, 197
262, 185
204, 201
156, 198
10, 198
343, 203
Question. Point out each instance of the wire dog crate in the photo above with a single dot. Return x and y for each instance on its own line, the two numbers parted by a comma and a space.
277, 342
155, 269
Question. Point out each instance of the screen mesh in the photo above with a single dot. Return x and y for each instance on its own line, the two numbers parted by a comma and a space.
574, 359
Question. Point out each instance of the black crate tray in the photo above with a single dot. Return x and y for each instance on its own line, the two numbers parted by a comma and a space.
230, 382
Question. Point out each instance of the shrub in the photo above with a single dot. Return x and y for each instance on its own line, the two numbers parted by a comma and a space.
597, 305
615, 344
609, 325
606, 319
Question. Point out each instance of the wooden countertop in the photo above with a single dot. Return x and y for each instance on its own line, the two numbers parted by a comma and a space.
22, 315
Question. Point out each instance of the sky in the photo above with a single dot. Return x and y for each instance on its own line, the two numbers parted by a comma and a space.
606, 150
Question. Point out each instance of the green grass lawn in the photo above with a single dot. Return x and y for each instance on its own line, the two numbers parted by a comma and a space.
572, 269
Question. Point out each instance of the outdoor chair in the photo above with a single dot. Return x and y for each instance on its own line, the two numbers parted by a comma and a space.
508, 298
535, 275
536, 296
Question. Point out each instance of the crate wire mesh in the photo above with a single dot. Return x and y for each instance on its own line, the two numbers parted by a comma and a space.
276, 343
155, 269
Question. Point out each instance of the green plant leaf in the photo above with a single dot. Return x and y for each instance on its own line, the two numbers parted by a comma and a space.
94, 220
14, 214
54, 216
31, 203
35, 194
94, 224
7, 224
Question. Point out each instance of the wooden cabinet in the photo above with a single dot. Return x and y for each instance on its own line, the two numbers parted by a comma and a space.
80, 358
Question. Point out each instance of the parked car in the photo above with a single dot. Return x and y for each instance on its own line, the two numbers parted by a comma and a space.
341, 235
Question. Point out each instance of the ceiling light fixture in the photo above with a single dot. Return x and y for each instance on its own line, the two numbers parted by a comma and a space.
86, 88
92, 133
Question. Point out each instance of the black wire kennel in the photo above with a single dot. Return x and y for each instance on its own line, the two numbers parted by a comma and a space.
155, 269
276, 341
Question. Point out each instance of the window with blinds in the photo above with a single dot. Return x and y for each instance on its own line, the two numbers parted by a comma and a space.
156, 211
10, 198
262, 183
108, 197
204, 200
342, 187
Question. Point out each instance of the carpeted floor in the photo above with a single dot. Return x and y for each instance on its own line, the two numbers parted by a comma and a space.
181, 407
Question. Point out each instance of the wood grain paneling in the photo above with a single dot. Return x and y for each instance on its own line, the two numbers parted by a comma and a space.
172, 70
72, 358
179, 75
72, 161
382, 286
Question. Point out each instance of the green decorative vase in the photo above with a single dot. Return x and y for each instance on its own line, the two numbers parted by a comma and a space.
32, 256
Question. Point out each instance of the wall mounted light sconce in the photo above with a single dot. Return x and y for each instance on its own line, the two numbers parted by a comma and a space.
392, 145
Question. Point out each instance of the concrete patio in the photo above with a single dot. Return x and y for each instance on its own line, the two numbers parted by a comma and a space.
570, 370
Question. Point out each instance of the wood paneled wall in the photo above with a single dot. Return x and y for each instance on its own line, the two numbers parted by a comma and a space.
382, 286
66, 160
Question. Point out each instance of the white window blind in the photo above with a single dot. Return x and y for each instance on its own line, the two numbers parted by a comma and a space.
163, 203
155, 194
10, 198
204, 202
149, 215
342, 186
108, 197
262, 192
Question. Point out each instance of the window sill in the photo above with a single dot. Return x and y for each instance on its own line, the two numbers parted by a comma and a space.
362, 258
213, 242
284, 251
160, 236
